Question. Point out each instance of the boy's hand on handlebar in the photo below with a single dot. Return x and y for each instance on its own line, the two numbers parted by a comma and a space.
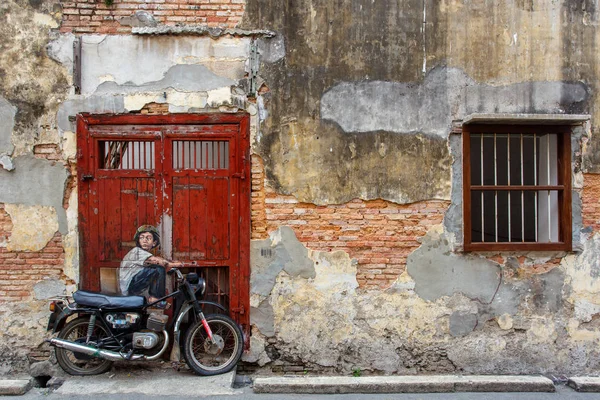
174, 264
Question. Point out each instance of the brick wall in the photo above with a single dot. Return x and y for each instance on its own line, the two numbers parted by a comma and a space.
590, 200
94, 16
19, 271
378, 234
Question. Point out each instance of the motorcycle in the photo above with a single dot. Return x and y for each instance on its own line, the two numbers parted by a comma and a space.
123, 328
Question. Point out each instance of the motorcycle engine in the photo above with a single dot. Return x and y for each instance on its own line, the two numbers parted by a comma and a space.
122, 320
144, 340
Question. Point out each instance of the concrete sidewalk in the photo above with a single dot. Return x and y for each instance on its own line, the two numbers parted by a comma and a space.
149, 382
403, 384
167, 382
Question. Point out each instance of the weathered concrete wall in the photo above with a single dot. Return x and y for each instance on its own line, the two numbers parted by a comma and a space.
446, 313
361, 101
377, 85
202, 71
356, 211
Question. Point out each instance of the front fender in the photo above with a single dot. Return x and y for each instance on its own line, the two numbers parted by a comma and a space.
184, 310
212, 303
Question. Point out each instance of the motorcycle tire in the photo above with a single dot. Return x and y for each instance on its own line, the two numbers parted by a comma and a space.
77, 363
207, 358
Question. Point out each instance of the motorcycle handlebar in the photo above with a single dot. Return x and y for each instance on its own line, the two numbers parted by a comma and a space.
176, 271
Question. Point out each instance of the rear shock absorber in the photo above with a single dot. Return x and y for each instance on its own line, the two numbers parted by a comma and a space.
90, 329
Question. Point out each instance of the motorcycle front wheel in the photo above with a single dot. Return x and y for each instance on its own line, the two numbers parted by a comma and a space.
77, 363
206, 357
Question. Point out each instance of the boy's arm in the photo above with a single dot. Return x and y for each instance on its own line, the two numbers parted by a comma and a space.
163, 262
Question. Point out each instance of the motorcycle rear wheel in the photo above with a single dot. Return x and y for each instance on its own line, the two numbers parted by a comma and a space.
207, 358
80, 364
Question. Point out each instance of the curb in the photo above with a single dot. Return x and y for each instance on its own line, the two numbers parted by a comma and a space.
403, 384
585, 383
14, 387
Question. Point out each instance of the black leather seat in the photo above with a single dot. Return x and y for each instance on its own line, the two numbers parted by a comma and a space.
101, 300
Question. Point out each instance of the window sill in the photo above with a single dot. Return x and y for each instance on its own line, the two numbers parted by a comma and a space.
487, 247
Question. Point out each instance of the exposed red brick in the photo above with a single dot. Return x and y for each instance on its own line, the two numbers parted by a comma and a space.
21, 270
378, 234
82, 16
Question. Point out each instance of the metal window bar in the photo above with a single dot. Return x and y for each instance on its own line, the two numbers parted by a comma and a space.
127, 155
535, 182
522, 196
495, 191
200, 154
549, 183
508, 181
482, 203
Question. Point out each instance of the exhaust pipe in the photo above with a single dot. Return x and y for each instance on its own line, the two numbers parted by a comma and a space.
106, 354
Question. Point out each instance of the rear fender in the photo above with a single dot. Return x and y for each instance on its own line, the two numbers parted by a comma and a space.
59, 317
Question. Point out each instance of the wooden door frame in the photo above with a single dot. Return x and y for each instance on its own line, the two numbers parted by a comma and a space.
86, 121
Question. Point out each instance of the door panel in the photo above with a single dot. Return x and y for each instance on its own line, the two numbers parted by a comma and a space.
184, 173
201, 218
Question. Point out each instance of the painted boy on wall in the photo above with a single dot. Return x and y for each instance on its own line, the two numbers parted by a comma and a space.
142, 273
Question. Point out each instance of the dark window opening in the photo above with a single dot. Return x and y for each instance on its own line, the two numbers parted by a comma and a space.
517, 187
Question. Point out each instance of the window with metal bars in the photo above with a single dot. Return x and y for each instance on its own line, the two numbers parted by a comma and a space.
516, 187
126, 154
200, 154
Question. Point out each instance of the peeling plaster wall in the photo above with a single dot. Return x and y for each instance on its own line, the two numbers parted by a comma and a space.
441, 315
353, 102
197, 72
360, 85
361, 103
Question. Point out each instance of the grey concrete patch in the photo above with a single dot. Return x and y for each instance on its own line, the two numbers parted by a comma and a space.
294, 254
462, 324
158, 383
7, 162
272, 49
7, 116
186, 78
438, 272
403, 384
263, 318
91, 104
429, 106
48, 179
264, 269
126, 61
14, 387
48, 288
453, 219
283, 252
140, 18
585, 383
61, 50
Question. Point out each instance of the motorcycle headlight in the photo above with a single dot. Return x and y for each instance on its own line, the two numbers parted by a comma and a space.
192, 278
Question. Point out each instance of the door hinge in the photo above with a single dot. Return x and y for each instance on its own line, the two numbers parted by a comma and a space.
239, 310
254, 64
239, 175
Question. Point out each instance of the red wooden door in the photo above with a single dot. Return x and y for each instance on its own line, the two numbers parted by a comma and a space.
184, 173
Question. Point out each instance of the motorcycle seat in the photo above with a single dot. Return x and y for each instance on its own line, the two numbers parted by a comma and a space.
101, 300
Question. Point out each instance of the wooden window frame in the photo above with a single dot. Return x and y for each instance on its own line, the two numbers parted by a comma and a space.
563, 133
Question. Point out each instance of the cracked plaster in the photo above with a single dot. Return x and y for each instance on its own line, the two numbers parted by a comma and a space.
33, 227
441, 314
48, 179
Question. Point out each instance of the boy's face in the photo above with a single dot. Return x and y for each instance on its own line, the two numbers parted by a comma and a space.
147, 241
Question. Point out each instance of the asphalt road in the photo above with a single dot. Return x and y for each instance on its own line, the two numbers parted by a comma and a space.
245, 393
